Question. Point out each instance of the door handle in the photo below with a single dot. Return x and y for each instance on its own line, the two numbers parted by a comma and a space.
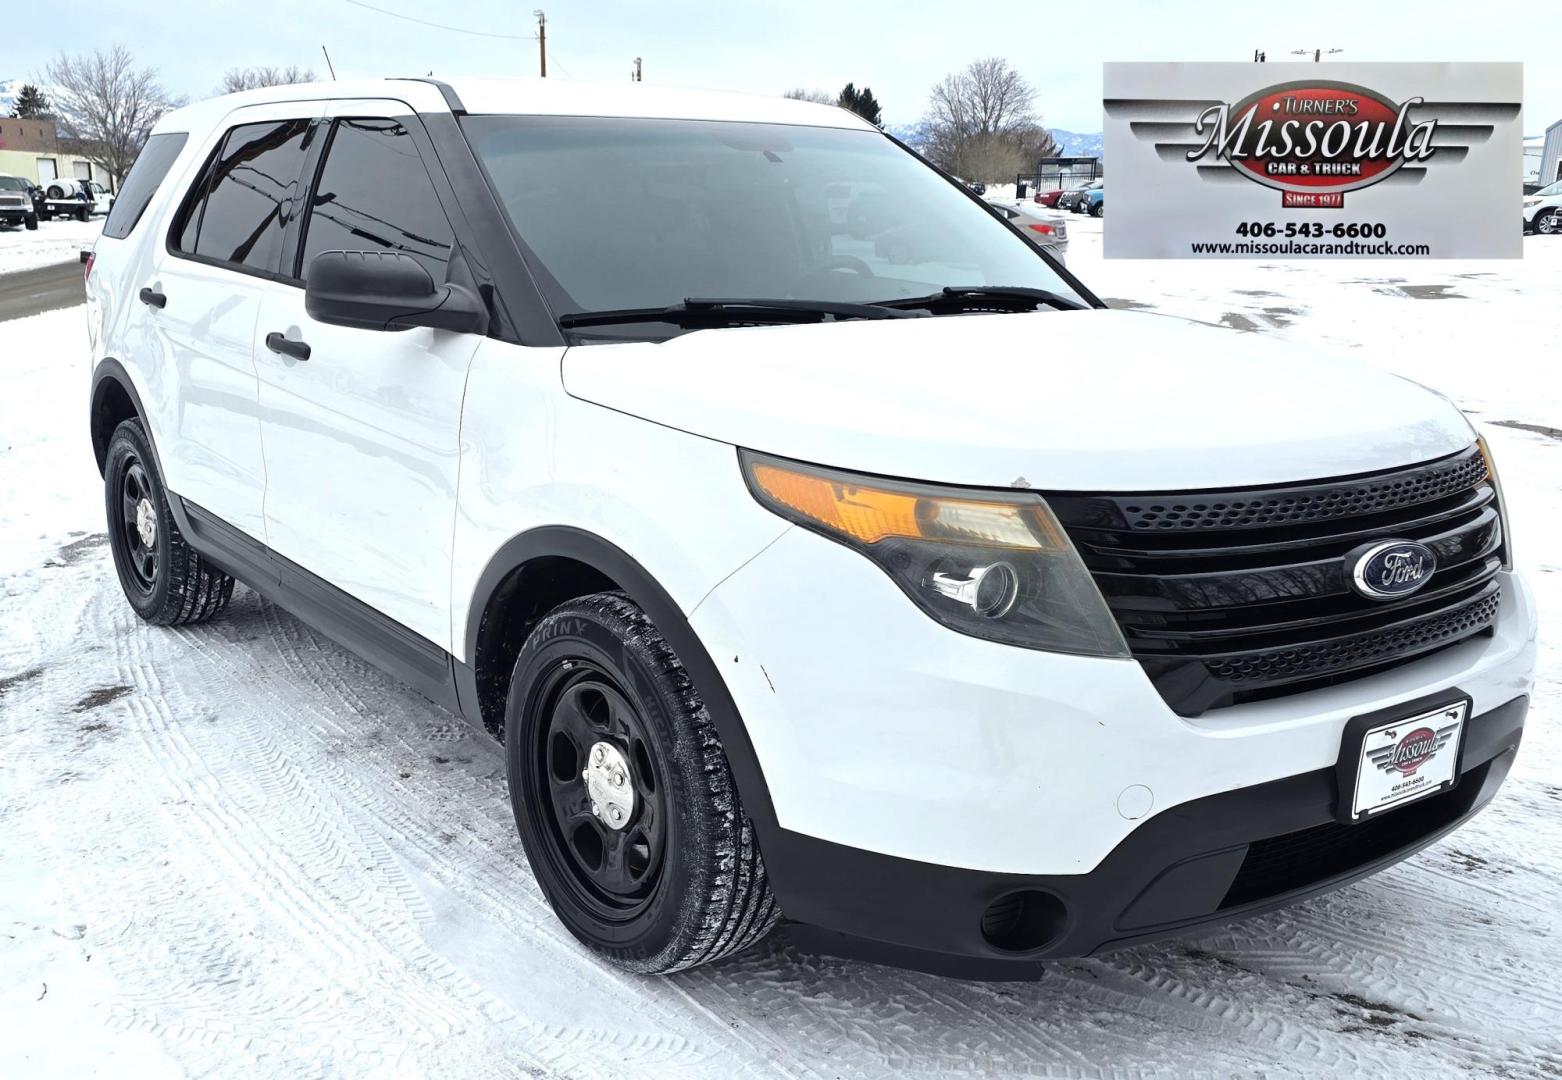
279, 344
153, 298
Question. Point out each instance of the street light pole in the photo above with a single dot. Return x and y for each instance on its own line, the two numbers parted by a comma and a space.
542, 41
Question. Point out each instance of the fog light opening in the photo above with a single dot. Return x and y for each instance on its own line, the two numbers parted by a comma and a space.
1023, 921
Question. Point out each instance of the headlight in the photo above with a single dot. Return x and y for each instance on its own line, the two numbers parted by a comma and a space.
1502, 503
992, 564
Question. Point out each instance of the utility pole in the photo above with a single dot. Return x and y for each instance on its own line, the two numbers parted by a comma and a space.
636, 76
542, 41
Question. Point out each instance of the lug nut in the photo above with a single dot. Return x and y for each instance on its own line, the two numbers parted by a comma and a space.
616, 813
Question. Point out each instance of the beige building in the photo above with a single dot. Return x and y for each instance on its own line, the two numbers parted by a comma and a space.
32, 149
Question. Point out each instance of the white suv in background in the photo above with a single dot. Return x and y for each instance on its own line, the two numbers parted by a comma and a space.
1543, 210
797, 580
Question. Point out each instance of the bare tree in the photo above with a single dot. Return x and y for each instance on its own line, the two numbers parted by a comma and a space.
254, 78
819, 97
982, 124
106, 105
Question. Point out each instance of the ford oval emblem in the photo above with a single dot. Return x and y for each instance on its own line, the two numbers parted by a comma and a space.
1390, 569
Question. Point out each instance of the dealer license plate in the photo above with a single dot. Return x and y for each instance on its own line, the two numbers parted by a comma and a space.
1408, 758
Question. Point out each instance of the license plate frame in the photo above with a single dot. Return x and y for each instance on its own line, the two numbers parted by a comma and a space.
1366, 787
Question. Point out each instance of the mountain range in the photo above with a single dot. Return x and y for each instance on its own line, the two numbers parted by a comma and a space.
9, 88
1077, 144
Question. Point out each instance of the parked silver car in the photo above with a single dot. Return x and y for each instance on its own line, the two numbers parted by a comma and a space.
1050, 234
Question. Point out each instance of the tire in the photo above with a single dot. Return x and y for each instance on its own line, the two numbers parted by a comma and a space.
1548, 223
166, 581
680, 882
56, 192
1098, 210
82, 215
32, 223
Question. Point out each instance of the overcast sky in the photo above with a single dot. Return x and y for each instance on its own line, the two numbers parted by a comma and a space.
899, 49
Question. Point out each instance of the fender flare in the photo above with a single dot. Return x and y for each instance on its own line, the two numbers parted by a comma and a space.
620, 567
109, 368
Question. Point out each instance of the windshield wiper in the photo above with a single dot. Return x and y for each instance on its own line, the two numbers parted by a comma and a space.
978, 297
727, 312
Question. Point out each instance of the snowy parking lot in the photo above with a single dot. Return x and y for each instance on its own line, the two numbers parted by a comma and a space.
55, 241
238, 849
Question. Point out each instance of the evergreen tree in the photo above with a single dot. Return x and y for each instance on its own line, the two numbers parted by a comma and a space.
31, 104
863, 103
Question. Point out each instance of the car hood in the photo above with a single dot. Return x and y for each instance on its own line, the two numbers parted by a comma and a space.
1077, 400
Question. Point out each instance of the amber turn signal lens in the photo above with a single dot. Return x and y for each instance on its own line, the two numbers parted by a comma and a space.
866, 512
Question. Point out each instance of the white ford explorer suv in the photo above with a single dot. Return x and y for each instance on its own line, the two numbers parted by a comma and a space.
796, 581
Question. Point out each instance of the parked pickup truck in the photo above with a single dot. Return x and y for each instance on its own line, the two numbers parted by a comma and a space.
75, 198
16, 202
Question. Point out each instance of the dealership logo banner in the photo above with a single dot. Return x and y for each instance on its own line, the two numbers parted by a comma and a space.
1282, 161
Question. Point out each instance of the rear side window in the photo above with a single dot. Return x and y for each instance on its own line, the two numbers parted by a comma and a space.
146, 176
240, 218
375, 195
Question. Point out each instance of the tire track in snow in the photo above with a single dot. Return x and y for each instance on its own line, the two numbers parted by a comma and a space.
326, 730
306, 750
266, 870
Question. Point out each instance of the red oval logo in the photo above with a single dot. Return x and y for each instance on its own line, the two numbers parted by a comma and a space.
1414, 750
1315, 137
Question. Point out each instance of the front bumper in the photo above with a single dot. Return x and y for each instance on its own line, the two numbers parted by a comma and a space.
902, 761
1215, 859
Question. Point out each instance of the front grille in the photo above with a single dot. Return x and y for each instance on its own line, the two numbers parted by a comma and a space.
1234, 596
12, 202
1308, 857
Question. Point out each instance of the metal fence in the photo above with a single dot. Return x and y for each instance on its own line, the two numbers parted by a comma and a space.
1061, 172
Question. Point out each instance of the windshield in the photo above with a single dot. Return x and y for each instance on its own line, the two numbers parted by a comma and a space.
633, 213
13, 183
1551, 189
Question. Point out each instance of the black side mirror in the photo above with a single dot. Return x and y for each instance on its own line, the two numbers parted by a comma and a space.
387, 290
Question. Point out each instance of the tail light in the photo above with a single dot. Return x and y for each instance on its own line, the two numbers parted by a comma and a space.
1047, 230
87, 259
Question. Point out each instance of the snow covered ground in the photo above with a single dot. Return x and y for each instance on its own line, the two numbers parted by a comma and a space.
239, 849
53, 241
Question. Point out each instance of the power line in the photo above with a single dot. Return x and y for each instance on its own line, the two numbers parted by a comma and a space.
442, 26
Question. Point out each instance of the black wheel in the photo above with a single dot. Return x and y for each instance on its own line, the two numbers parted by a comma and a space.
82, 215
32, 223
1098, 210
166, 581
623, 796
1548, 223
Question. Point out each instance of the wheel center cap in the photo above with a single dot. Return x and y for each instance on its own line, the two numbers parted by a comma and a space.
608, 782
146, 522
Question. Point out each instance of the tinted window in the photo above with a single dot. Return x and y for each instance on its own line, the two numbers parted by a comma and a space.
629, 213
242, 218
375, 195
